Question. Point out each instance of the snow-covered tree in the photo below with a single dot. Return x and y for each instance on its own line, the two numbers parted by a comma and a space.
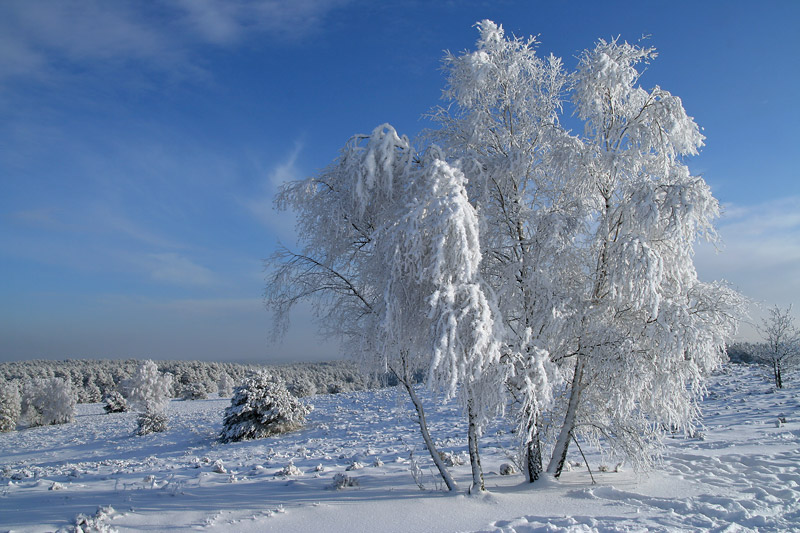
515, 251
114, 402
148, 391
225, 385
261, 406
48, 401
781, 347
410, 280
341, 214
641, 330
194, 391
501, 125
10, 406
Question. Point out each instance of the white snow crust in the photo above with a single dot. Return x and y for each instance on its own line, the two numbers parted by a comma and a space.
741, 472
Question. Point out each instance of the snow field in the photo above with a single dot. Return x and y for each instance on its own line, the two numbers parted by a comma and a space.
741, 472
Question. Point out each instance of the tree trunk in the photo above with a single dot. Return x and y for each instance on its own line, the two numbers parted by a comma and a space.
778, 378
559, 457
532, 461
533, 456
474, 456
426, 436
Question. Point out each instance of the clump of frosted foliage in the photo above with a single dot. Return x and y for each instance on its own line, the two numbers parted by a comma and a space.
194, 391
261, 406
225, 385
148, 390
114, 402
9, 406
48, 401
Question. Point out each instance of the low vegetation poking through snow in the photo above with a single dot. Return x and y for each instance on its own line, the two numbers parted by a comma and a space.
744, 475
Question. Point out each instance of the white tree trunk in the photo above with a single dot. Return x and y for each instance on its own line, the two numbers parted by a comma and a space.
474, 456
559, 456
423, 426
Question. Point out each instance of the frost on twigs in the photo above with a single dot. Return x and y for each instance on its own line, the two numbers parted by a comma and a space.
260, 407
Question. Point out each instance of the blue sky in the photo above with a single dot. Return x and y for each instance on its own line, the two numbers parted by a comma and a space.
141, 144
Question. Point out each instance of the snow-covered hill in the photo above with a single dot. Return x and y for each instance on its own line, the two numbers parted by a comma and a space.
742, 473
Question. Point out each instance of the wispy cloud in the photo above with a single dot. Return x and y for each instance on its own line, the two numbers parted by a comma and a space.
761, 251
176, 269
261, 205
40, 38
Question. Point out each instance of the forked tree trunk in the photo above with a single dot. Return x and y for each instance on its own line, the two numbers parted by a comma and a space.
474, 456
559, 457
426, 436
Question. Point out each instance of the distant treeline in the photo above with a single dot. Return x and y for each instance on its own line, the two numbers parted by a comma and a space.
745, 352
94, 379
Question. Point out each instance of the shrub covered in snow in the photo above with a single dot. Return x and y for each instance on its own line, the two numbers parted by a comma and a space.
341, 481
260, 407
114, 402
9, 406
48, 401
194, 391
151, 422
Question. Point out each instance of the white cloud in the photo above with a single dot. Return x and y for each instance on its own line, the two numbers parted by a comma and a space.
760, 255
38, 38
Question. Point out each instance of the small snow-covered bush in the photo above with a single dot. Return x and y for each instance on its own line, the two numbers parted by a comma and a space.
341, 481
288, 471
451, 459
48, 401
507, 469
260, 407
115, 403
151, 422
94, 524
9, 406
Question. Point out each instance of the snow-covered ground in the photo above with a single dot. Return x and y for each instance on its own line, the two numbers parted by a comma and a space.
741, 474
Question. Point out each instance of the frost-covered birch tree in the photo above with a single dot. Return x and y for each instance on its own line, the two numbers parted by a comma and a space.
781, 347
588, 240
340, 212
643, 330
502, 125
392, 252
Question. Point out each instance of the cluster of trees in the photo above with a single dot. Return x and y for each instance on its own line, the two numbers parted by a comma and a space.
43, 392
93, 380
521, 267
